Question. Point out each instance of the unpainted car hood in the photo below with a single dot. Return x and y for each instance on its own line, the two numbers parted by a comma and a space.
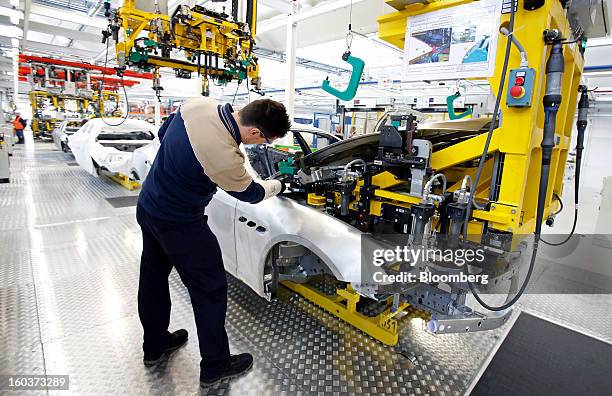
362, 147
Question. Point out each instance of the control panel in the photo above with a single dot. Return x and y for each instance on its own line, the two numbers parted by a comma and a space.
520, 87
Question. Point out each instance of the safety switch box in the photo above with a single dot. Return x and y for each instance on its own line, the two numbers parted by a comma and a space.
520, 87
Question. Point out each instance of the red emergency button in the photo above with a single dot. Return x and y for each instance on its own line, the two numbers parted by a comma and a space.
517, 92
519, 81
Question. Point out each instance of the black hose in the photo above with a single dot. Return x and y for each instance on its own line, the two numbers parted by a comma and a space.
100, 98
550, 125
552, 99
570, 235
581, 125
558, 198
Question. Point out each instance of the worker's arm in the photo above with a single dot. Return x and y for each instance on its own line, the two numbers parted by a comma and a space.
232, 177
258, 190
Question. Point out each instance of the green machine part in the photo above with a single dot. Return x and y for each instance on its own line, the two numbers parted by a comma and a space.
351, 89
139, 55
450, 104
286, 167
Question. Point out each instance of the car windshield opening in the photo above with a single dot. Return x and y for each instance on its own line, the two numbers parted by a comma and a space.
125, 135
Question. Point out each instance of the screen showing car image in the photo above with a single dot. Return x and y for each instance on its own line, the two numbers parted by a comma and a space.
435, 46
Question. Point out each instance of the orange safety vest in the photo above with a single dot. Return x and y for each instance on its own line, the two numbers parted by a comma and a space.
17, 123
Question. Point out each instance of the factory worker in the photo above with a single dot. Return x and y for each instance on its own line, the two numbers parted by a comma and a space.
199, 152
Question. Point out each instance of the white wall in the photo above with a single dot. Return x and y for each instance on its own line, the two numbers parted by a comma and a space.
598, 151
596, 164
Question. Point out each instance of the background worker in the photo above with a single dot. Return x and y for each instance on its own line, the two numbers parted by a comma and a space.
338, 132
19, 125
199, 152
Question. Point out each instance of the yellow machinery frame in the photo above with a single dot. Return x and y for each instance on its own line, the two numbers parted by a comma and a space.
202, 33
58, 101
518, 139
520, 133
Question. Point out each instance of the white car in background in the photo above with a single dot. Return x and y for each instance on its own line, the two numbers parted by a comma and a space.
109, 144
67, 128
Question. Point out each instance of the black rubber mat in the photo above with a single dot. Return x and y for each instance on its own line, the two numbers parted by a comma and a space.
541, 358
123, 202
72, 164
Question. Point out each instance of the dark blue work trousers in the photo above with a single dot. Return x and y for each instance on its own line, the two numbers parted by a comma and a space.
195, 253
19, 133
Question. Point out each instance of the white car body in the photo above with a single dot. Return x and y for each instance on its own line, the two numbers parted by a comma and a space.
256, 229
98, 146
64, 130
142, 159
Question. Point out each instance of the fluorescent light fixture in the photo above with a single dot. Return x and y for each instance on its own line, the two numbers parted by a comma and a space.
14, 42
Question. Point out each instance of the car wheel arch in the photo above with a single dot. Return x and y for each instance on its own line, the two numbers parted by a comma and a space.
273, 244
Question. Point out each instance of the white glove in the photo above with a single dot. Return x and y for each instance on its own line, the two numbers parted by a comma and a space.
271, 187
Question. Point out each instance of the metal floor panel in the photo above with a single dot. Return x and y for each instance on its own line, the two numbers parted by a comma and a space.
16, 268
68, 285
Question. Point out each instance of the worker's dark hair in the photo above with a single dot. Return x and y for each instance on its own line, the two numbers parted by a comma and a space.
267, 115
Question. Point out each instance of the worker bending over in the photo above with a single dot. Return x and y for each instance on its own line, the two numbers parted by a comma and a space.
199, 152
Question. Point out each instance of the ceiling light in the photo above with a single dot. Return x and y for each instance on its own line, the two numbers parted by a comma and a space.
14, 42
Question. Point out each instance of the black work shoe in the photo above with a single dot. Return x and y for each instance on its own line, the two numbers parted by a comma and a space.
239, 364
177, 340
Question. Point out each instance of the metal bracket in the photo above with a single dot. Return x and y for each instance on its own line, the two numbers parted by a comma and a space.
450, 103
351, 90
475, 321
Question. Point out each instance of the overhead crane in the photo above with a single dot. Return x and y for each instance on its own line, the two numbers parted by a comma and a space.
214, 45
